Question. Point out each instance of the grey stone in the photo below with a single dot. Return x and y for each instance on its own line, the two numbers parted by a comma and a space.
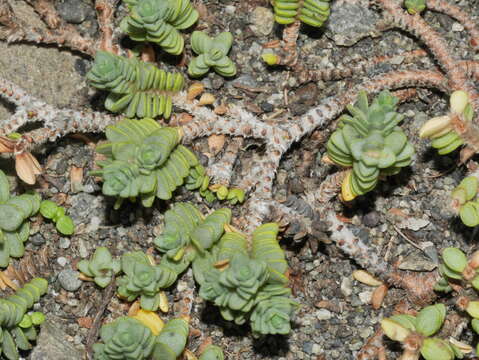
51, 344
371, 219
73, 11
350, 23
262, 21
69, 280
415, 262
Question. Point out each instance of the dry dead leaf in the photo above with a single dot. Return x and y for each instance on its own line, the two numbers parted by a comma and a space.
194, 90
378, 296
85, 322
206, 99
221, 109
76, 178
27, 167
216, 143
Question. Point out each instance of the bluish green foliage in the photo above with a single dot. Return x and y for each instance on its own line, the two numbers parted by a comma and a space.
464, 198
370, 142
102, 267
17, 328
158, 21
186, 234
143, 279
454, 263
427, 323
212, 53
136, 88
248, 284
311, 12
124, 338
63, 223
144, 160
212, 352
415, 6
127, 338
14, 224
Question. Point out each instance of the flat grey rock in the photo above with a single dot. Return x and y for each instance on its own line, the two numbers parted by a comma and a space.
51, 344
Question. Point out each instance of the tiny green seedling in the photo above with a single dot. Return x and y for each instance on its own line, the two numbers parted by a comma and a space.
416, 334
415, 6
52, 211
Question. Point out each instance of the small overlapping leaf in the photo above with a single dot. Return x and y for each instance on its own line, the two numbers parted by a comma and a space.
144, 160
143, 279
212, 53
415, 6
101, 267
124, 338
370, 142
430, 319
212, 352
158, 21
172, 340
437, 349
273, 316
311, 12
63, 223
137, 89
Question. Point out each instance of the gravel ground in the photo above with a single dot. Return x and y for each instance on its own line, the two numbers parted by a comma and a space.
335, 319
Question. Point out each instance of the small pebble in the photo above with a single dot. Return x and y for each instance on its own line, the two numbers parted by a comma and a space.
37, 239
64, 243
62, 261
69, 280
324, 314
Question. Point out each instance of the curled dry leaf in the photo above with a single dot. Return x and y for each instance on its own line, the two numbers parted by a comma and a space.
27, 167
378, 296
7, 145
216, 143
194, 90
221, 109
366, 278
206, 99
76, 178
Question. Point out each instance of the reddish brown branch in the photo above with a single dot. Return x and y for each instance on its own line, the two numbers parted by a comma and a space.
418, 27
448, 8
106, 10
47, 12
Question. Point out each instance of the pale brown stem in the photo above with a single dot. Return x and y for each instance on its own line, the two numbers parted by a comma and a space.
106, 10
47, 12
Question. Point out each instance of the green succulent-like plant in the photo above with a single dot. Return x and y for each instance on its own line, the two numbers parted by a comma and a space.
63, 223
125, 338
440, 129
212, 53
187, 233
464, 200
142, 278
128, 338
171, 341
14, 224
311, 12
273, 316
101, 267
17, 328
415, 6
456, 267
370, 142
158, 21
419, 330
212, 352
248, 283
136, 88
144, 160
